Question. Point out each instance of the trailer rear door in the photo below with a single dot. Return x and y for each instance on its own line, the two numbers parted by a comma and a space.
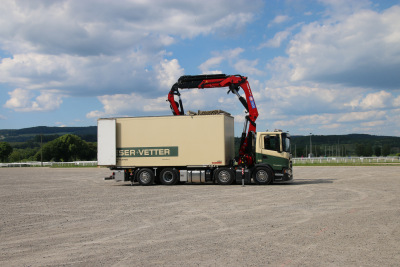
106, 142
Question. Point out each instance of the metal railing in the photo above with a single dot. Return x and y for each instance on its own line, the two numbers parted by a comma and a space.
50, 164
345, 160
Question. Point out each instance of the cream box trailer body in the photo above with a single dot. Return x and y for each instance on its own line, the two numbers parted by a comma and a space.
166, 141
169, 149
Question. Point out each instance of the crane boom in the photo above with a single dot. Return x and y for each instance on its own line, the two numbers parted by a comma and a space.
234, 82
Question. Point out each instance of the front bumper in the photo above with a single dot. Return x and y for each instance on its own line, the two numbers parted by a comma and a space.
285, 176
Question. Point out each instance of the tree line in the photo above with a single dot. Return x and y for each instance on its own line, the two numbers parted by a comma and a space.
345, 150
64, 148
360, 150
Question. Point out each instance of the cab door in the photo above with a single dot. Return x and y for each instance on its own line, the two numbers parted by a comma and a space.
269, 151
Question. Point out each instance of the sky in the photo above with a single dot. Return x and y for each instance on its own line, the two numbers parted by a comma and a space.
322, 67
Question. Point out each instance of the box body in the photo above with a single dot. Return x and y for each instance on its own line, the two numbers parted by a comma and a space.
202, 140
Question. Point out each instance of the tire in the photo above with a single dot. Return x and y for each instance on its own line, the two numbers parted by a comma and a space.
224, 176
145, 177
169, 176
263, 176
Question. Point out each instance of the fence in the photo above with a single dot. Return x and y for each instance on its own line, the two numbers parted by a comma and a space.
50, 164
296, 161
346, 160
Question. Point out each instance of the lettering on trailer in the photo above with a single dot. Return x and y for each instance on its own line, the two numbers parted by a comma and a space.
140, 152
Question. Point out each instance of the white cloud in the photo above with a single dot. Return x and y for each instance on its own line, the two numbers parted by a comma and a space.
373, 123
21, 101
343, 123
79, 75
277, 40
337, 73
33, 70
211, 63
95, 114
97, 48
340, 9
168, 72
302, 100
307, 123
396, 102
280, 37
103, 27
239, 118
133, 104
332, 126
248, 67
210, 99
313, 108
362, 116
120, 104
376, 100
357, 50
214, 62
279, 19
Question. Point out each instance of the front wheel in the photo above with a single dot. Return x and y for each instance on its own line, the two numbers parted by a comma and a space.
145, 176
225, 176
169, 176
263, 175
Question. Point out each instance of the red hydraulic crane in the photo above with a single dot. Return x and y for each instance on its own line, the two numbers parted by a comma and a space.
234, 82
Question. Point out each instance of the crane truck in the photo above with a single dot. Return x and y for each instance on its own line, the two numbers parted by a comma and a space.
195, 148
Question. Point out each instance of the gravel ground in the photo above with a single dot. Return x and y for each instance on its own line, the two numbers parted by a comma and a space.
329, 216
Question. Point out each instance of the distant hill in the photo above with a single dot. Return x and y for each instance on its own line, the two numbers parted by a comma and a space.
88, 133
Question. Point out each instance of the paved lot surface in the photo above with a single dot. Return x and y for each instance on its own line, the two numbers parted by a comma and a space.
330, 216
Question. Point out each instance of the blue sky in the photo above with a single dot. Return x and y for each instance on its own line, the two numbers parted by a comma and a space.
321, 67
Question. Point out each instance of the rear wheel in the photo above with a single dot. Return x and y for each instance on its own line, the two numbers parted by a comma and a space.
145, 176
263, 175
169, 176
225, 176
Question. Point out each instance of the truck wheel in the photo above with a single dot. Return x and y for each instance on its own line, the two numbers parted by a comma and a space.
169, 176
145, 176
225, 176
263, 175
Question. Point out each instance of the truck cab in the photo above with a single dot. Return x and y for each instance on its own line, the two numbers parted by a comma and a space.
272, 149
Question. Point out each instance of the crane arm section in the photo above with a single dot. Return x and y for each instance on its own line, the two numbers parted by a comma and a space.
234, 82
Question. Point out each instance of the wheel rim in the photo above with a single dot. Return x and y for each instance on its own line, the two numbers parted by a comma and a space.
168, 176
262, 176
224, 176
145, 177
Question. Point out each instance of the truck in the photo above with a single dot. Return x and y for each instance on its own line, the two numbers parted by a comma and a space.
197, 147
